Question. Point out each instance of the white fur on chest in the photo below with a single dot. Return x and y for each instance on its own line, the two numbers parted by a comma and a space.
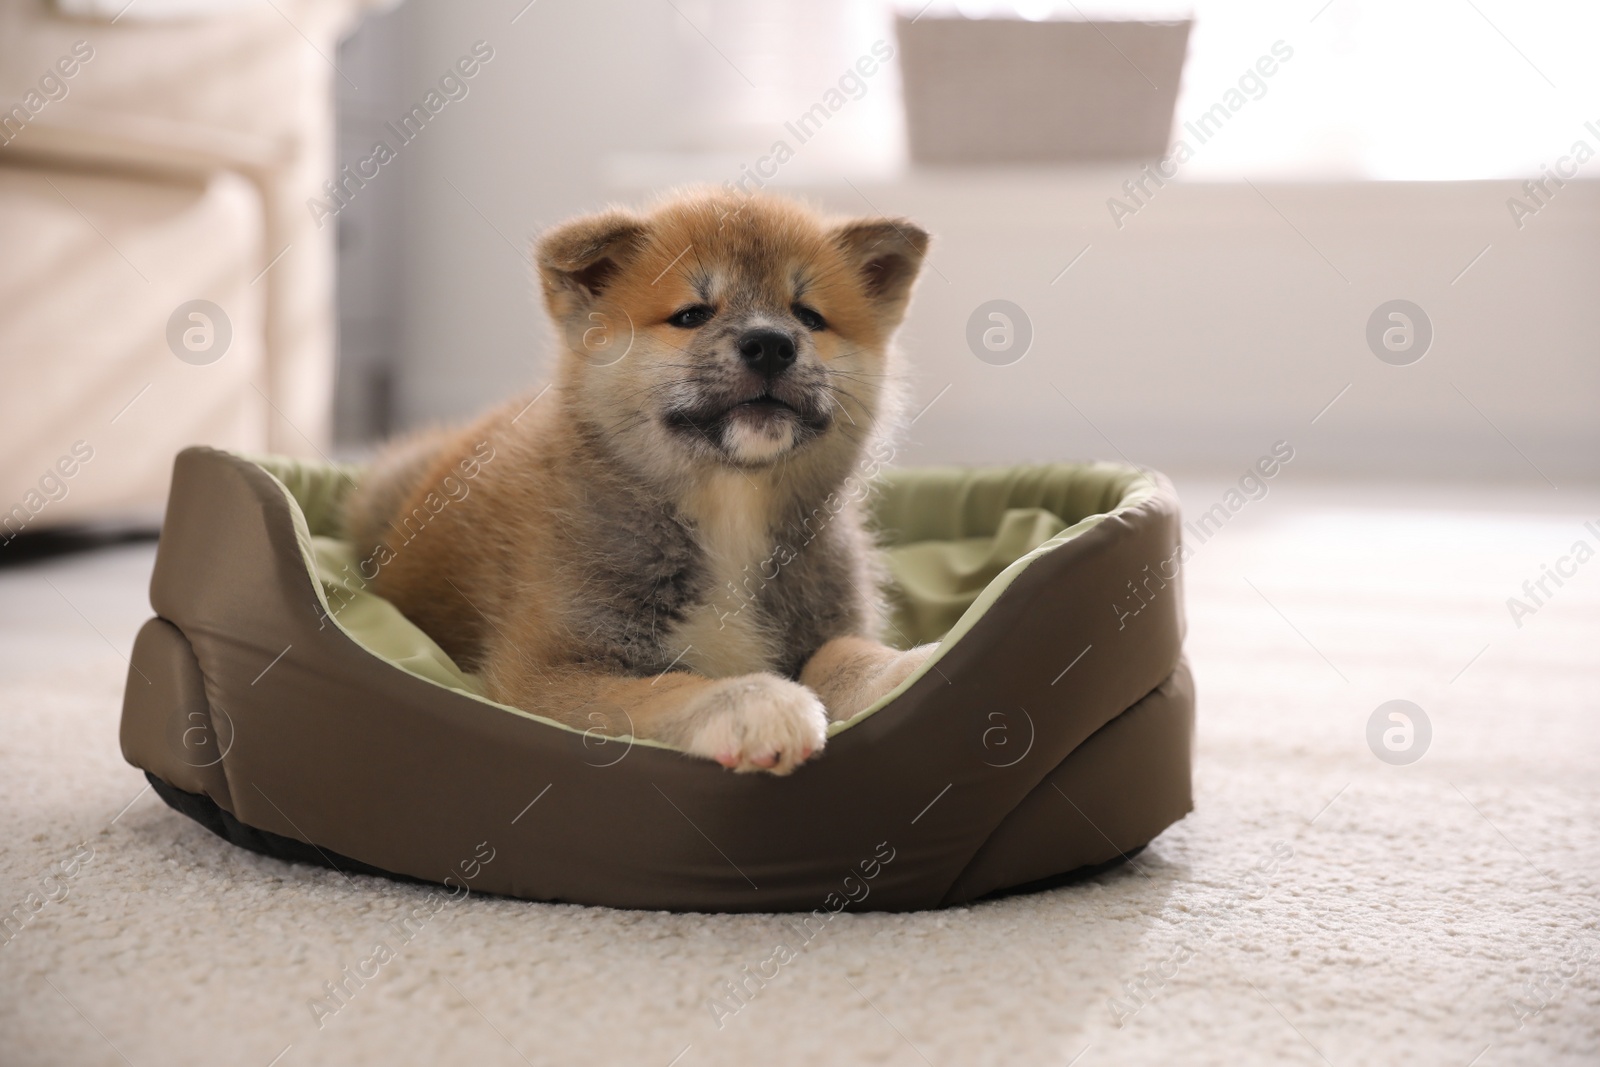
723, 634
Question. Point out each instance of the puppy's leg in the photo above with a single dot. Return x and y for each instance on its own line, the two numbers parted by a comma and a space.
748, 723
851, 673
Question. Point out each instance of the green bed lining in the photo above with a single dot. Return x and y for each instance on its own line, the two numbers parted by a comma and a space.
954, 538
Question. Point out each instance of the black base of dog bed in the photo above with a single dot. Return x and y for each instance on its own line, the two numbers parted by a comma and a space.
203, 810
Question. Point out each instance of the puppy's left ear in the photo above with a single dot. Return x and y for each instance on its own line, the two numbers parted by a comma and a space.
578, 259
887, 255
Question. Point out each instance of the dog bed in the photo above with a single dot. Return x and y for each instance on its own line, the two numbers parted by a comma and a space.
291, 712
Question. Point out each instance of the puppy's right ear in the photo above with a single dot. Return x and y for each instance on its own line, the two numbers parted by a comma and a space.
578, 259
886, 254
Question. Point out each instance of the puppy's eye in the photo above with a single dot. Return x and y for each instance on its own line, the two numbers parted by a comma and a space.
690, 317
809, 318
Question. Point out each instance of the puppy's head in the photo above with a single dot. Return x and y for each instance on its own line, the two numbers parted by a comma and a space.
728, 330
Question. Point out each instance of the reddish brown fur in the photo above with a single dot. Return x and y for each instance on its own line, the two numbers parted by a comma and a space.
586, 574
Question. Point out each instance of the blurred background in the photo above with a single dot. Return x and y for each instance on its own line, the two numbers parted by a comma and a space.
1196, 218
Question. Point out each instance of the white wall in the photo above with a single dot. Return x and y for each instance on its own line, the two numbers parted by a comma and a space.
568, 83
1211, 325
1208, 326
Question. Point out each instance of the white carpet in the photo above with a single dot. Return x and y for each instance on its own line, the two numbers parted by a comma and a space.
1423, 908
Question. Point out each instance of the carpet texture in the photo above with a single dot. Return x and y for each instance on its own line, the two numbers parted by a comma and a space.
1320, 906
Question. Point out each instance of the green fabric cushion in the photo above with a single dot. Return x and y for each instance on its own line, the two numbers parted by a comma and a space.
935, 582
377, 624
956, 536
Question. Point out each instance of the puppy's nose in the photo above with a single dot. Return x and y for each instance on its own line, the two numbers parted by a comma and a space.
767, 352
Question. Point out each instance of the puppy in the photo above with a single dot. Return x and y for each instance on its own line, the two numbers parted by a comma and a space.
671, 542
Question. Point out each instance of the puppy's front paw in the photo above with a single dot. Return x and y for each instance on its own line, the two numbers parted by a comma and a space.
757, 722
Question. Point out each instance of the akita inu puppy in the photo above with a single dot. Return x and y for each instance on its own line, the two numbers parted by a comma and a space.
668, 543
